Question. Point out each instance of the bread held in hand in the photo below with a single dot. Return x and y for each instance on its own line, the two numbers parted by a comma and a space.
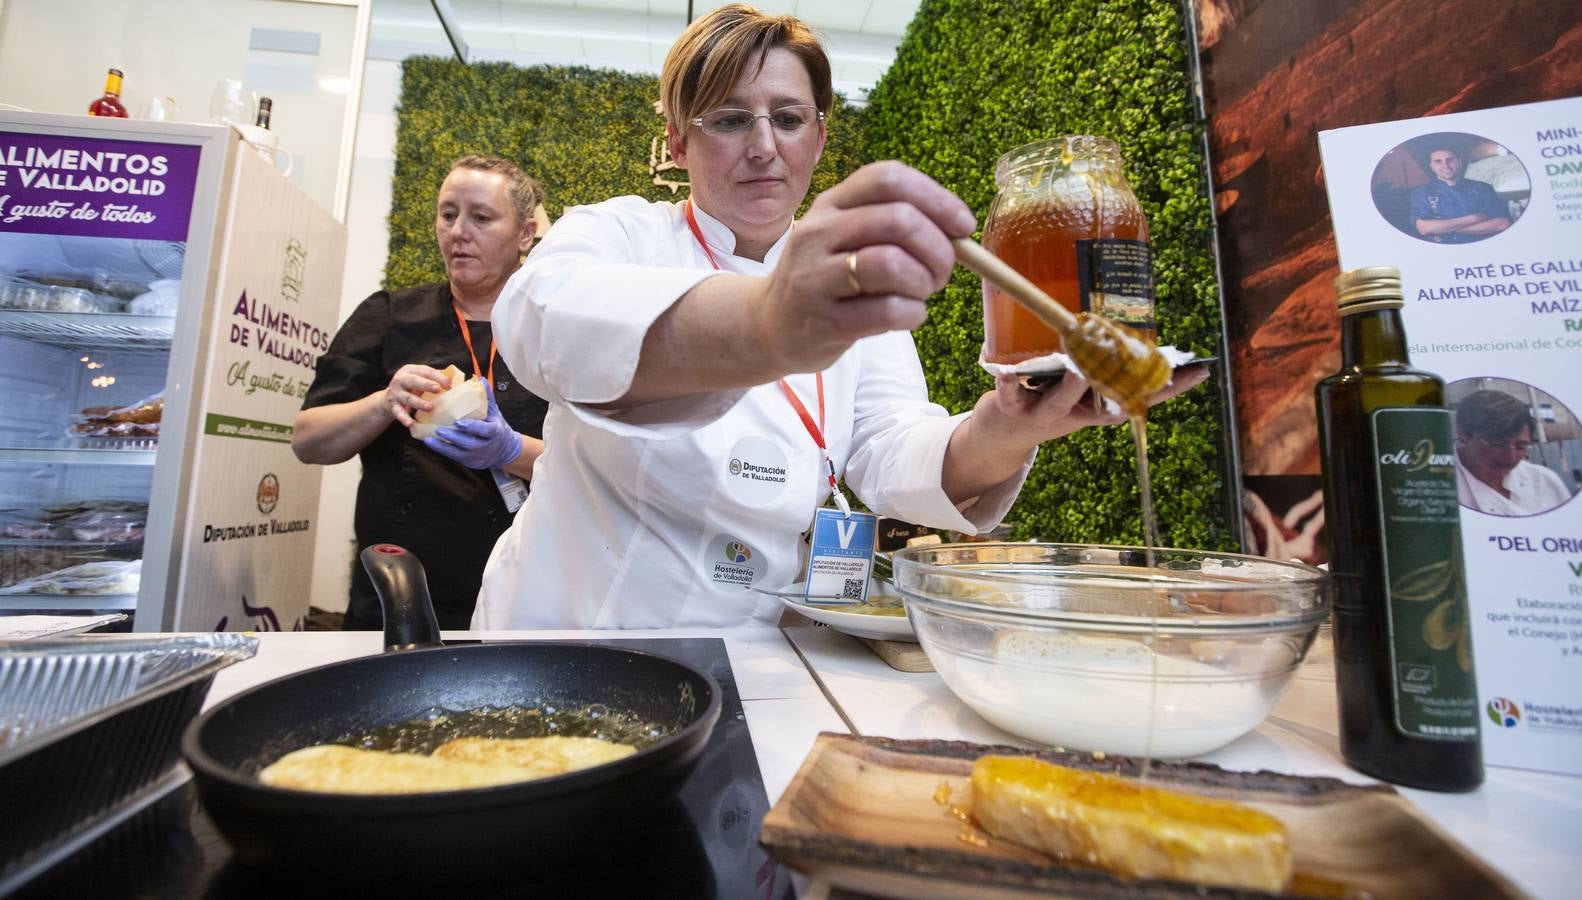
466, 399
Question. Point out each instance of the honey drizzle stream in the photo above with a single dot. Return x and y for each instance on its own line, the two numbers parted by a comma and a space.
1139, 423
1137, 412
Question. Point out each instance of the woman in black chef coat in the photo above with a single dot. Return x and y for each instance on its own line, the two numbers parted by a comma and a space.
449, 497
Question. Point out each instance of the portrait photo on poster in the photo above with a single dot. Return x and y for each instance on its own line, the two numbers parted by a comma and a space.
1450, 187
1518, 448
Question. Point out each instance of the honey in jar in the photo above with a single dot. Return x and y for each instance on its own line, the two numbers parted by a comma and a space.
1066, 218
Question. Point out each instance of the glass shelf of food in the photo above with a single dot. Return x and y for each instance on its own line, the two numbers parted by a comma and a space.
29, 604
80, 555
90, 331
85, 402
88, 456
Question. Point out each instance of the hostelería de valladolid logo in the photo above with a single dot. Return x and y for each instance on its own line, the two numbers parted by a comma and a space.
1504, 713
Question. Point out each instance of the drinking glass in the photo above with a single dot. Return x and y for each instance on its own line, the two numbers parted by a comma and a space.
231, 103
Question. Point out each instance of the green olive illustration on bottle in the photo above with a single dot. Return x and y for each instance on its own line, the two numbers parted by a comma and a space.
1426, 583
1443, 626
1464, 647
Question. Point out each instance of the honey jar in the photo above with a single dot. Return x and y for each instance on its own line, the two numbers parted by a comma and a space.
1066, 218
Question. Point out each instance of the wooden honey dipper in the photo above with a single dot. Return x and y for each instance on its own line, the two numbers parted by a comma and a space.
1119, 362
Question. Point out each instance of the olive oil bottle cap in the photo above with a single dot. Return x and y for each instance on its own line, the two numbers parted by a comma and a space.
1368, 289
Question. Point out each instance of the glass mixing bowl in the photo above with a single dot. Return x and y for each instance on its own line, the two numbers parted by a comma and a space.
1088, 648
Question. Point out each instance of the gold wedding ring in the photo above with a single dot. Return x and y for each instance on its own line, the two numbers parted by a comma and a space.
851, 273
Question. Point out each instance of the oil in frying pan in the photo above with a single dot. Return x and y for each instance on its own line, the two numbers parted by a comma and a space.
425, 734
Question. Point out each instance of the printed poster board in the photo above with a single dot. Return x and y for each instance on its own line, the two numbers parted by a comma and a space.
247, 562
74, 186
1482, 213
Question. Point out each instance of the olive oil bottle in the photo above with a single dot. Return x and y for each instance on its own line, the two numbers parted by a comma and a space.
1403, 652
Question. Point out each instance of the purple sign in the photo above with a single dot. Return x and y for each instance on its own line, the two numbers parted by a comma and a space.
96, 187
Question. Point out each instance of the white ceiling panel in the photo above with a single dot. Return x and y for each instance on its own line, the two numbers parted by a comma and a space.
624, 5
865, 73
477, 12
833, 15
635, 35
409, 31
607, 54
386, 9
844, 46
890, 16
479, 39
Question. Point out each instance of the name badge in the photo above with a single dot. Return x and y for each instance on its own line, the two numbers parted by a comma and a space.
842, 554
512, 489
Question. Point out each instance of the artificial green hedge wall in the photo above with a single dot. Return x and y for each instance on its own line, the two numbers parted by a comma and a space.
974, 78
584, 133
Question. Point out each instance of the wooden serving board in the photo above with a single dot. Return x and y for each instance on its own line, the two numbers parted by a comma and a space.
902, 656
865, 814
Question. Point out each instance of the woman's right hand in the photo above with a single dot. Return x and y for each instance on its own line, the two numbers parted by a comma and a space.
404, 394
887, 230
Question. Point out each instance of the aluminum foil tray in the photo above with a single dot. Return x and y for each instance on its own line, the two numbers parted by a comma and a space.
89, 726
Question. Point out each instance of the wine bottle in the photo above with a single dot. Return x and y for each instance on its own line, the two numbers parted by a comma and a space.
110, 104
1403, 651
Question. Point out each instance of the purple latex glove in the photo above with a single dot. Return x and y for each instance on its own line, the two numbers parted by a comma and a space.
488, 443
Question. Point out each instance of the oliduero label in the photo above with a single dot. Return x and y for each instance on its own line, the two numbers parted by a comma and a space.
1425, 581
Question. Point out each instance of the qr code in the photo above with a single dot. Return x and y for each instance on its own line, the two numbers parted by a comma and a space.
852, 589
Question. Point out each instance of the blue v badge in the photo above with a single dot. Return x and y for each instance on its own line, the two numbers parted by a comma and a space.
842, 554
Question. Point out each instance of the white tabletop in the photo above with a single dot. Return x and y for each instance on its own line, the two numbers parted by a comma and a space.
1528, 825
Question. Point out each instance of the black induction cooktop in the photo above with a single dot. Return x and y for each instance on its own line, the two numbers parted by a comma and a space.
702, 844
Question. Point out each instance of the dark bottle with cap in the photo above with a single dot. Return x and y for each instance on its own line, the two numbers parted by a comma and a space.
265, 109
1403, 651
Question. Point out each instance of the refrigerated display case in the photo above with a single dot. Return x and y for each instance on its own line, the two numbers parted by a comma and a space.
125, 247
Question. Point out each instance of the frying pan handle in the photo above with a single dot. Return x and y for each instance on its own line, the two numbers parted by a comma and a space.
403, 595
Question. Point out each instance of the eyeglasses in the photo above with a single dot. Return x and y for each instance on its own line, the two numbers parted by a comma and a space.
1518, 446
787, 120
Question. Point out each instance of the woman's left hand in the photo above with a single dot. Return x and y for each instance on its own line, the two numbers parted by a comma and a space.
488, 443
1010, 422
1025, 418
1029, 418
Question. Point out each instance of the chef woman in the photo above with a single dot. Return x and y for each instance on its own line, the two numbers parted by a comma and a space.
712, 369
450, 496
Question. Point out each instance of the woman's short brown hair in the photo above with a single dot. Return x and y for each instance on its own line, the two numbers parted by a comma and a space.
525, 193
1493, 414
708, 59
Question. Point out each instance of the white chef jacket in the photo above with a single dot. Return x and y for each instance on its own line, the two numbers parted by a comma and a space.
1534, 489
666, 515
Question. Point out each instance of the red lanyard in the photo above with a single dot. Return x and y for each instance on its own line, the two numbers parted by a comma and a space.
816, 431
466, 336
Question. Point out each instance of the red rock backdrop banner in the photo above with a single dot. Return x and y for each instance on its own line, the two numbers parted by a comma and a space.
1275, 73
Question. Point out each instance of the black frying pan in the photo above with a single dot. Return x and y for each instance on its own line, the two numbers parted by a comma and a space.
497, 835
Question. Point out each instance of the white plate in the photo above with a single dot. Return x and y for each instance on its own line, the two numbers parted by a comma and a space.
883, 628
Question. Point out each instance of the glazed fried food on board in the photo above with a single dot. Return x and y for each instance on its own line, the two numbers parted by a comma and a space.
1127, 827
